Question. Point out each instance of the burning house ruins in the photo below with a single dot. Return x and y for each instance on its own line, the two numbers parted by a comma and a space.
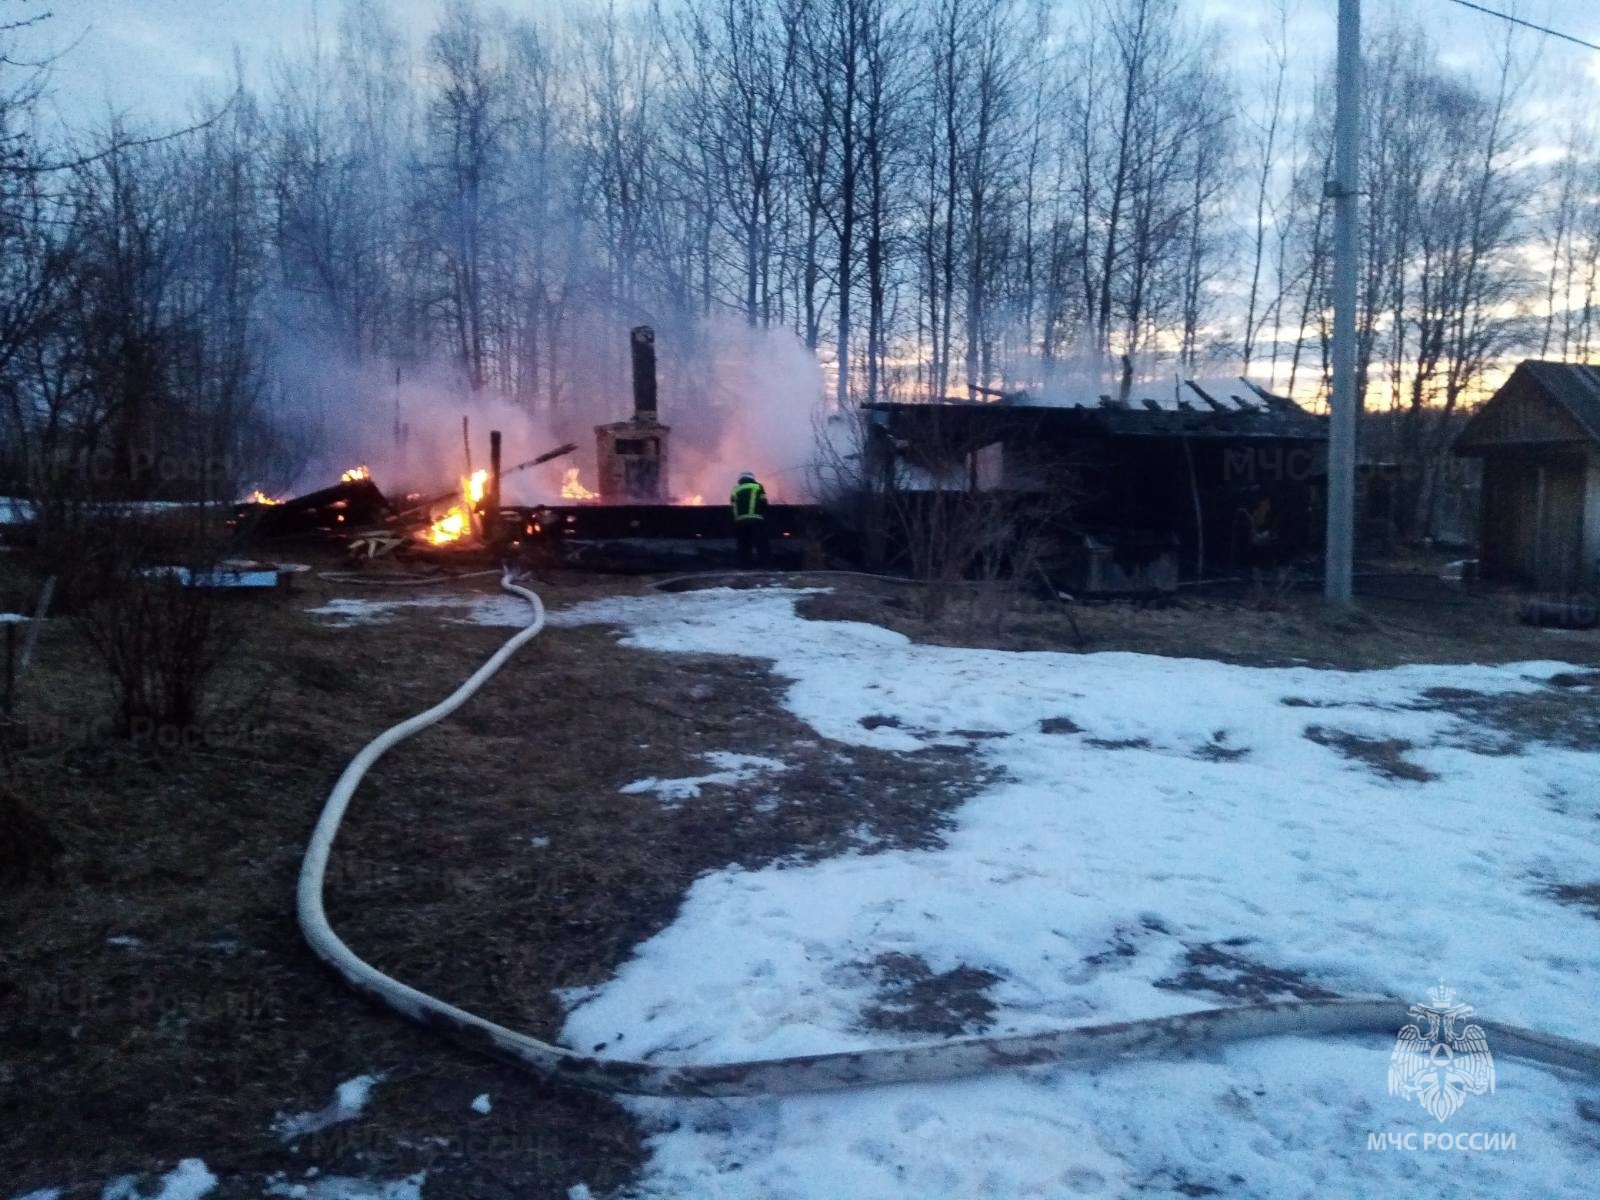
1140, 494
631, 455
633, 520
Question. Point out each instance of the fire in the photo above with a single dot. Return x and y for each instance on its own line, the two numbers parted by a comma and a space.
457, 523
260, 497
448, 528
571, 489
356, 474
696, 499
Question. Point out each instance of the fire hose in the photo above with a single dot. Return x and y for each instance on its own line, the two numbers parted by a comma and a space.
921, 1062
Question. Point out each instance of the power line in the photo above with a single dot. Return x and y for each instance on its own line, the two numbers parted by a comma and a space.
1555, 33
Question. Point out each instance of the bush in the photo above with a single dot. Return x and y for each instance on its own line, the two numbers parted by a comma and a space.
28, 850
160, 639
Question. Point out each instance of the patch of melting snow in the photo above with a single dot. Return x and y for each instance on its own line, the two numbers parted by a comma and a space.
189, 1180
481, 1105
345, 1187
41, 1194
349, 1099
497, 609
1083, 880
732, 769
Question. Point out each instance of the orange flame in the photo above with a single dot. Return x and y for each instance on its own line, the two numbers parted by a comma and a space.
572, 489
696, 499
457, 523
449, 528
260, 497
356, 474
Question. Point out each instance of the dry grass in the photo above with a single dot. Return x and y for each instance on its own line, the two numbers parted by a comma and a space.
1580, 895
1385, 756
205, 1017
159, 1003
910, 997
124, 1055
1221, 970
1414, 620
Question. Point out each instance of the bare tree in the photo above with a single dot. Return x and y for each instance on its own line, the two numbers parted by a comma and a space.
1268, 166
467, 122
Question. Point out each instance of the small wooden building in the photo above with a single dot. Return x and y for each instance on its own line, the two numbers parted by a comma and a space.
1539, 439
1174, 486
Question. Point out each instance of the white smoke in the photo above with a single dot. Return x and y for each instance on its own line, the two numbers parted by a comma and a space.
736, 398
744, 399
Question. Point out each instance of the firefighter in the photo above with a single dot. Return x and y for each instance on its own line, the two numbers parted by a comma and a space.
750, 520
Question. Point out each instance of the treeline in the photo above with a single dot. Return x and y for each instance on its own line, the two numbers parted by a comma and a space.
936, 197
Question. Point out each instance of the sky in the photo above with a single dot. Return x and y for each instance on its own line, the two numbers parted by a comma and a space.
151, 57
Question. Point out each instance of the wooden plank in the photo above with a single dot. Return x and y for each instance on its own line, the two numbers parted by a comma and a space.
1521, 415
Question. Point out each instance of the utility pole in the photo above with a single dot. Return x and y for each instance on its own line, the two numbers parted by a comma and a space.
1344, 188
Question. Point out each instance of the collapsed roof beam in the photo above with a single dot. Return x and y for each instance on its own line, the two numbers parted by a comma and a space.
1272, 399
1216, 405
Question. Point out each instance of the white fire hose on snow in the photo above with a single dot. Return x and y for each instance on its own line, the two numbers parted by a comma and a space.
817, 1072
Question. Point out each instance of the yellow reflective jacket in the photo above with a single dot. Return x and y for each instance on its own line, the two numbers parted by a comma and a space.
749, 502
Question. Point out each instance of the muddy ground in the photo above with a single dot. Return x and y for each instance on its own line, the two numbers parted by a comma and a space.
156, 1002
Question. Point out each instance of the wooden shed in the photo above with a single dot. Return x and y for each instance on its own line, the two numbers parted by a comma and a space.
1539, 439
1188, 478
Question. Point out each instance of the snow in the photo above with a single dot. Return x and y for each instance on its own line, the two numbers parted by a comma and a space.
41, 1193
189, 1180
1189, 809
481, 1105
192, 1180
1144, 810
343, 1187
349, 1099
732, 770
472, 609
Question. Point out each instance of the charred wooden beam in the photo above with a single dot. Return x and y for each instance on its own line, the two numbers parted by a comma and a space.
543, 458
1272, 399
346, 505
491, 492
1015, 396
454, 492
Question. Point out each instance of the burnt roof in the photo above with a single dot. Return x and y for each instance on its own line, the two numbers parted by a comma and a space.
1571, 389
1259, 415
